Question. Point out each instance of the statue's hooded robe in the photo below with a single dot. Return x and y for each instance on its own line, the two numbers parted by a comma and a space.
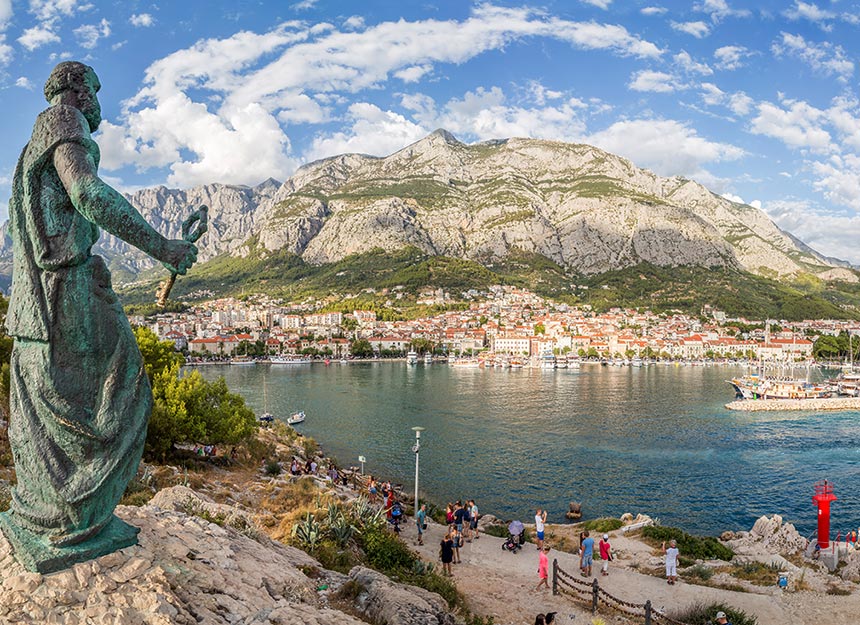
80, 400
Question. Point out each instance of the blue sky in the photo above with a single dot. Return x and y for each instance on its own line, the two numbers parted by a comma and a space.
757, 100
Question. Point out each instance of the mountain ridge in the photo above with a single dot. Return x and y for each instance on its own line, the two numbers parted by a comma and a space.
585, 209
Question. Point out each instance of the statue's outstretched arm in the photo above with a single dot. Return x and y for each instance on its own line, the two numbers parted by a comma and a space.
107, 208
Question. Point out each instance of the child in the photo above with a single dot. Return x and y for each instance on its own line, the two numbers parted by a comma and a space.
543, 568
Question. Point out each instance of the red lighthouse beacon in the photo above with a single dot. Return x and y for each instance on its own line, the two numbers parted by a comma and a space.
822, 498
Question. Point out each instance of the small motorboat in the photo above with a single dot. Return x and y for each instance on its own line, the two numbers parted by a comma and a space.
296, 417
266, 419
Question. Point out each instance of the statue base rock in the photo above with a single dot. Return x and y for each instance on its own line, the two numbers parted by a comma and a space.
38, 555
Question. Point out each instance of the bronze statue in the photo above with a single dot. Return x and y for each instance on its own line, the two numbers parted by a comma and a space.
80, 400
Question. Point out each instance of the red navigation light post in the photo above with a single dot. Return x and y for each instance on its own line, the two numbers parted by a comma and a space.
822, 498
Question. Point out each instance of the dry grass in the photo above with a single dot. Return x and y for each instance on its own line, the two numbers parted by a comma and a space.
288, 502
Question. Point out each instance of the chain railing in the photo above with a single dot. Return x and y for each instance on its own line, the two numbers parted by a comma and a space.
595, 597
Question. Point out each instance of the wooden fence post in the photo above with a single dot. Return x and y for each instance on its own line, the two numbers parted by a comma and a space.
648, 612
555, 576
594, 588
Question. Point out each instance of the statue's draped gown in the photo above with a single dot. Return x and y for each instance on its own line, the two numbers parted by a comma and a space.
80, 400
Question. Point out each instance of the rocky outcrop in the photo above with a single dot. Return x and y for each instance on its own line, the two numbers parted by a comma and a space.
388, 603
188, 570
585, 209
770, 535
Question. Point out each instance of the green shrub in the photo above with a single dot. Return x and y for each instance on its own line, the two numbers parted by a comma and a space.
603, 525
273, 468
310, 447
696, 547
385, 552
700, 571
308, 533
702, 614
499, 531
138, 498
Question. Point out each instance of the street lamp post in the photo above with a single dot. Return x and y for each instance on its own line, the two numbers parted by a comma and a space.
416, 448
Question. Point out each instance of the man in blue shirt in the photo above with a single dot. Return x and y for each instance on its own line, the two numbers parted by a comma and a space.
587, 555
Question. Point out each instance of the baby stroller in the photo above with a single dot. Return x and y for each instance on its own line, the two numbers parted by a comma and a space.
396, 516
515, 537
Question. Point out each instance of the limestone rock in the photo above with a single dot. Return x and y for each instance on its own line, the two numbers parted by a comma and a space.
185, 570
389, 603
585, 209
771, 535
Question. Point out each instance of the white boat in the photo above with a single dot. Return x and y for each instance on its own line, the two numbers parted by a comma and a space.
428, 358
296, 417
291, 359
344, 361
465, 363
573, 362
266, 419
242, 360
547, 361
755, 386
412, 358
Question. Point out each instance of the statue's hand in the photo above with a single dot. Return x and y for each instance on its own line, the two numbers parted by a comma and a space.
179, 255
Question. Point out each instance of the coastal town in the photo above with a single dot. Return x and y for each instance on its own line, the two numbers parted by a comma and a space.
504, 324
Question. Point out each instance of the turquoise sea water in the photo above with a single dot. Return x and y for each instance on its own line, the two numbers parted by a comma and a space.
654, 439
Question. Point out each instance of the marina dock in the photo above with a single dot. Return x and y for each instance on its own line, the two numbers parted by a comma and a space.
827, 403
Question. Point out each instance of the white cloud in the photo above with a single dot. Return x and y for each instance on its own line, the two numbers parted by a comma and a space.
799, 125
5, 12
819, 228
47, 10
291, 72
730, 57
601, 4
686, 62
696, 29
739, 200
354, 22
141, 20
739, 102
656, 82
88, 35
824, 58
24, 83
413, 73
719, 10
653, 10
809, 11
304, 5
37, 36
373, 131
668, 147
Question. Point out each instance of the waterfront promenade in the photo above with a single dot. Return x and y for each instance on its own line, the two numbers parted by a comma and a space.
778, 405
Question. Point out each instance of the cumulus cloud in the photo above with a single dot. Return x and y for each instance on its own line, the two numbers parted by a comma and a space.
601, 4
24, 83
668, 147
696, 29
37, 36
811, 12
304, 5
5, 12
686, 62
738, 103
47, 10
253, 82
88, 35
141, 20
824, 58
797, 125
354, 22
730, 57
655, 82
653, 10
720, 9
820, 228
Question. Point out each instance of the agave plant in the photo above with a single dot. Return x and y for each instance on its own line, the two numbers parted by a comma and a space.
365, 514
308, 533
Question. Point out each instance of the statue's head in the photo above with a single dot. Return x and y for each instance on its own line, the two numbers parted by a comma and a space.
76, 84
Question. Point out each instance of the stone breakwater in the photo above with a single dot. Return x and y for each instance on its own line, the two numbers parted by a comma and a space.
832, 403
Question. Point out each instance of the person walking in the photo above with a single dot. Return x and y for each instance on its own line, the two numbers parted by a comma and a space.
605, 553
473, 523
543, 568
446, 553
540, 521
585, 560
457, 537
671, 561
421, 522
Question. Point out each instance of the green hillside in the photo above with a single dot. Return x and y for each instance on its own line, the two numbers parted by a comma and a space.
363, 277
